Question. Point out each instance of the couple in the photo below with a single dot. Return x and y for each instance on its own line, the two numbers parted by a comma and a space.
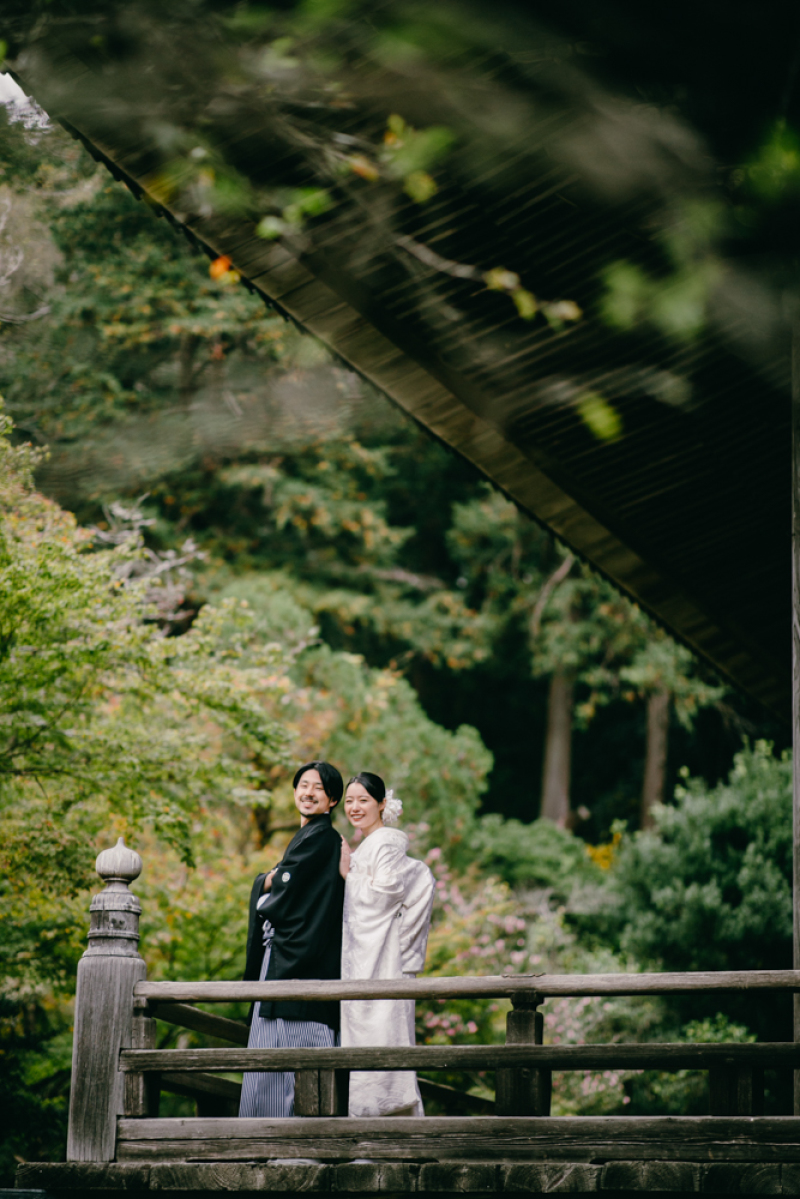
326, 913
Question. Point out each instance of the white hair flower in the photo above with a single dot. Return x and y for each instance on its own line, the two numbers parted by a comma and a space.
393, 809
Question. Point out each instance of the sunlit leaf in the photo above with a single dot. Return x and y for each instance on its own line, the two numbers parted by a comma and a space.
499, 279
219, 267
363, 167
420, 186
270, 228
525, 303
625, 299
561, 310
600, 417
775, 170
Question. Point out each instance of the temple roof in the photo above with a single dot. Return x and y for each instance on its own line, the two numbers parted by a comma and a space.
651, 434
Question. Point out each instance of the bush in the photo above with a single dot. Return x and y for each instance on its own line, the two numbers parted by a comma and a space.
537, 855
710, 888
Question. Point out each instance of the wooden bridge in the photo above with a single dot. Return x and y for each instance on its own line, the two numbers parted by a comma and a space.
118, 1142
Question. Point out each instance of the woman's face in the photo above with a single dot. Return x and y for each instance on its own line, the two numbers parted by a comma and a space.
361, 809
310, 797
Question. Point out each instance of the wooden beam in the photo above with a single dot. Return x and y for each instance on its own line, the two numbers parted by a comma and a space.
488, 1138
487, 987
469, 1057
186, 1016
141, 1091
195, 1085
796, 679
736, 1091
455, 1102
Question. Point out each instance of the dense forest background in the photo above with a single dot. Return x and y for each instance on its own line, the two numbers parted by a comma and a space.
232, 554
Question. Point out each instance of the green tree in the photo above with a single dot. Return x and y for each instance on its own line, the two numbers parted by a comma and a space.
367, 718
105, 716
592, 644
709, 887
128, 321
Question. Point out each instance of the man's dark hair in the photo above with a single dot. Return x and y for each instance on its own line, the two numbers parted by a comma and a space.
372, 783
331, 779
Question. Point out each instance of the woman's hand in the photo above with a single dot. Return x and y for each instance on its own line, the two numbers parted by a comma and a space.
344, 859
269, 878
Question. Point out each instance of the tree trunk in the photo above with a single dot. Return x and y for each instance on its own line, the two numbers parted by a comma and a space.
558, 749
655, 761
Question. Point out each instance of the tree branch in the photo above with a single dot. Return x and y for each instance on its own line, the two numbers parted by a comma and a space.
544, 595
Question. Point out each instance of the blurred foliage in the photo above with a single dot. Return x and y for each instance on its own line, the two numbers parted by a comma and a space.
250, 441
132, 320
536, 855
774, 172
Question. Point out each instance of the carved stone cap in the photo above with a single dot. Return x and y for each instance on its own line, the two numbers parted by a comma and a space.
119, 865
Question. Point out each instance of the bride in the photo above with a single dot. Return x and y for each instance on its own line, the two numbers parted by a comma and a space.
387, 913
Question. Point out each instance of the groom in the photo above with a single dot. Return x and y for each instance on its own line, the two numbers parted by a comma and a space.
298, 905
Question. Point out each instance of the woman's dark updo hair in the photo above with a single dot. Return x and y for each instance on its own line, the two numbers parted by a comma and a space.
331, 779
372, 783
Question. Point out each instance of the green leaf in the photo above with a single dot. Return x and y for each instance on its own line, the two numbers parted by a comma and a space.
600, 417
271, 227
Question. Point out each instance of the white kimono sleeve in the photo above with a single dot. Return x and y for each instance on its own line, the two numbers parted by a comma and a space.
373, 902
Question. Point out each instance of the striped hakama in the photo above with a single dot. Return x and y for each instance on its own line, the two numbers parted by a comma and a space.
273, 1094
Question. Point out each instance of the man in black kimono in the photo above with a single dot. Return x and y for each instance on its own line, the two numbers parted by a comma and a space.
295, 933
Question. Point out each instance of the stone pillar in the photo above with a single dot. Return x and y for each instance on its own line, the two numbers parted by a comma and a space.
107, 973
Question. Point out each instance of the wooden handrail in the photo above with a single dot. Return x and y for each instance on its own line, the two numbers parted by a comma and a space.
486, 987
117, 1067
782, 1054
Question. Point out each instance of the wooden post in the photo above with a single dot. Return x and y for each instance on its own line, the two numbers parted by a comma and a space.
107, 973
142, 1091
306, 1093
796, 677
524, 1092
334, 1092
736, 1091
321, 1092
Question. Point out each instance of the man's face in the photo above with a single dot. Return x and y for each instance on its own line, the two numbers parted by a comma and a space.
309, 796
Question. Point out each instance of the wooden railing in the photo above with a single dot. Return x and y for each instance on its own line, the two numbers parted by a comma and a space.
118, 1071
523, 1066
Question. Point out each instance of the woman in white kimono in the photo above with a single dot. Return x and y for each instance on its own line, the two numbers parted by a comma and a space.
387, 914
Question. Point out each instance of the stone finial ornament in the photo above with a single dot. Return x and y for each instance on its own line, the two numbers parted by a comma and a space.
114, 928
118, 865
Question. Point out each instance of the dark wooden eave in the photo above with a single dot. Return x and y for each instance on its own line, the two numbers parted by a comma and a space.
662, 513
